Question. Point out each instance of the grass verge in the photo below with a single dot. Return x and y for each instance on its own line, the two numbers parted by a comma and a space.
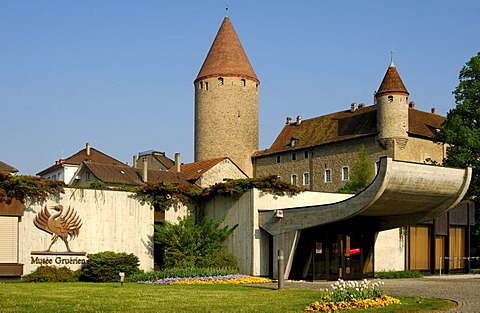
111, 297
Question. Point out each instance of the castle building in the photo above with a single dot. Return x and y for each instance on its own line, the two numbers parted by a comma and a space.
319, 153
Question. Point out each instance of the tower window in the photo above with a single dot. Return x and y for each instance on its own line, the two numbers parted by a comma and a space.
200, 85
278, 159
220, 81
390, 98
206, 85
345, 173
242, 82
294, 179
306, 179
328, 175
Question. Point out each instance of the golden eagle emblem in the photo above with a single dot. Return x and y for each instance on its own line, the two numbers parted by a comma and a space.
59, 225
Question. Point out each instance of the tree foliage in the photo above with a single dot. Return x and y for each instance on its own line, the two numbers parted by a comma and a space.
361, 175
193, 244
28, 188
461, 131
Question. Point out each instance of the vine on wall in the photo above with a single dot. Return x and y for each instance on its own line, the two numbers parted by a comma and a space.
162, 195
23, 188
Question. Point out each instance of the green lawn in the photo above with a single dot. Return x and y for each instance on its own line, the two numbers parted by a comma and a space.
111, 297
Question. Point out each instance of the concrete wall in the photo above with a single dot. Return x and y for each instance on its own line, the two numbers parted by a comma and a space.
389, 251
249, 242
112, 221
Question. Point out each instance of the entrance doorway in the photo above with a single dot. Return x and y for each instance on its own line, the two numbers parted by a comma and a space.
332, 252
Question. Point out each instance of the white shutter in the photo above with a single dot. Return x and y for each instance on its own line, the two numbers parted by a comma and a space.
8, 239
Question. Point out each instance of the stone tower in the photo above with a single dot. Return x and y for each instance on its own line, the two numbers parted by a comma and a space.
226, 102
392, 111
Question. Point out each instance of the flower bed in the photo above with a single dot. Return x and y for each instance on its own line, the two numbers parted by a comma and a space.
349, 295
210, 280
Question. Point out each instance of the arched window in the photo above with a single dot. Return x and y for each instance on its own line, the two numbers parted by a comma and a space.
390, 98
243, 82
306, 179
345, 173
220, 81
328, 175
294, 179
206, 85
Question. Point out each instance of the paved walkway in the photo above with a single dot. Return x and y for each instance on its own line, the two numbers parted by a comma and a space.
463, 289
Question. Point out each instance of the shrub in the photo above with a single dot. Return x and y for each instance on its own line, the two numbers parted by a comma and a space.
398, 274
51, 274
182, 273
194, 244
105, 266
475, 271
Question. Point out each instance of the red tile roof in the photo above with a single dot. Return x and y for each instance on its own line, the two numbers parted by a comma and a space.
347, 125
226, 56
194, 170
392, 82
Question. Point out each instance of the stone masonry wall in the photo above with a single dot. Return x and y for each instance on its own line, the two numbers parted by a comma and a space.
226, 120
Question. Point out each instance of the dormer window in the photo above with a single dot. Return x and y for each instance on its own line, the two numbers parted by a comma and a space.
390, 98
293, 142
220, 81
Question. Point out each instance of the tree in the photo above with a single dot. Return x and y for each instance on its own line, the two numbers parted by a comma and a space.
362, 174
461, 130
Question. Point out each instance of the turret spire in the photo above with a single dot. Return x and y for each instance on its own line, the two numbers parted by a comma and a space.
391, 58
226, 10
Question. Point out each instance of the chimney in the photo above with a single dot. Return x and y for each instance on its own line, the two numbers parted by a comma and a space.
411, 105
299, 119
353, 107
361, 105
289, 120
177, 162
134, 159
88, 148
145, 170
433, 110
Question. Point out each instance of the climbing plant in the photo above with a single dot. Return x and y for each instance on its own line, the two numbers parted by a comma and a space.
30, 188
163, 195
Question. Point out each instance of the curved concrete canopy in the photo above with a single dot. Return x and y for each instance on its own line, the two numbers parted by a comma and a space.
402, 194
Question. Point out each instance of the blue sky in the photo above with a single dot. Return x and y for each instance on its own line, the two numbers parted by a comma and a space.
119, 74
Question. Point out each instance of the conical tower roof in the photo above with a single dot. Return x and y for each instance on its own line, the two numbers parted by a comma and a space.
392, 82
226, 56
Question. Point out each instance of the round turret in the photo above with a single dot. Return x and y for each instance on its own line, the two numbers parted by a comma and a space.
226, 103
392, 110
